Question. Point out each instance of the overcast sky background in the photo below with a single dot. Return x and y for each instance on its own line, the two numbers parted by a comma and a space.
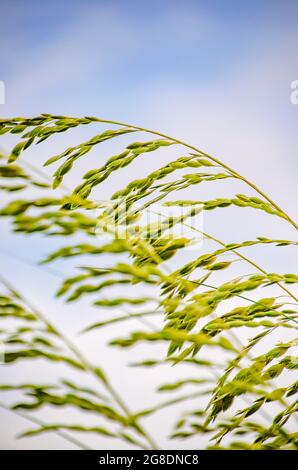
216, 74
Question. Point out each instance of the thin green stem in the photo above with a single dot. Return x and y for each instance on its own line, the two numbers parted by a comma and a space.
215, 160
248, 260
84, 361
236, 252
32, 419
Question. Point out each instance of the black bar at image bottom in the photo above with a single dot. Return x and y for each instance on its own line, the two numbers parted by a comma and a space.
142, 459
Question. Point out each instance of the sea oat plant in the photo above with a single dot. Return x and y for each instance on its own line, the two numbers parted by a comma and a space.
212, 303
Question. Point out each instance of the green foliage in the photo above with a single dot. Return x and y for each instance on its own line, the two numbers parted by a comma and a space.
241, 405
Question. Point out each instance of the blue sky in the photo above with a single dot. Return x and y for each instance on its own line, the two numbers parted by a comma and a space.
99, 51
215, 73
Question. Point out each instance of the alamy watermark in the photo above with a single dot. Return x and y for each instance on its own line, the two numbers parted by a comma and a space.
2, 353
122, 220
2, 92
294, 93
